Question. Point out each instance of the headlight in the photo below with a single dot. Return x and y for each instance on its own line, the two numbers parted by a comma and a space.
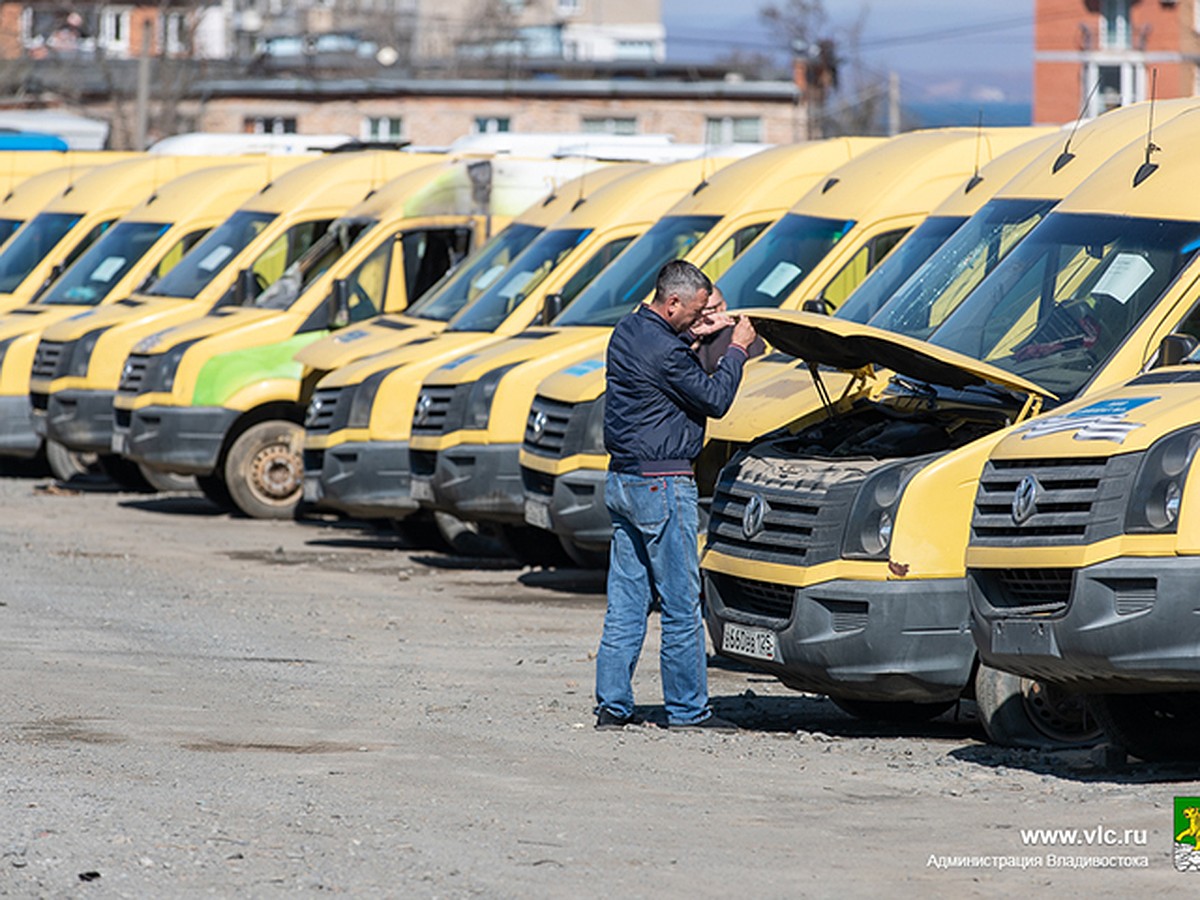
161, 378
363, 398
479, 402
80, 353
593, 432
1158, 488
873, 513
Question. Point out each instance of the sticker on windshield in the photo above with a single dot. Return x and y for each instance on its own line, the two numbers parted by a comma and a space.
779, 278
107, 269
515, 284
1101, 421
485, 279
1124, 276
214, 259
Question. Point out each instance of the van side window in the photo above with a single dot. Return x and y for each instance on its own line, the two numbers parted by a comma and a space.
286, 249
729, 251
593, 267
431, 253
852, 274
174, 255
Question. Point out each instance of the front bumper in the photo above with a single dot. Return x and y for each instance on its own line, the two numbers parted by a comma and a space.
368, 479
476, 482
572, 504
182, 439
1129, 624
80, 420
861, 640
18, 436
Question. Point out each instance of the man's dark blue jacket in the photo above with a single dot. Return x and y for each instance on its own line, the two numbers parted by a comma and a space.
658, 396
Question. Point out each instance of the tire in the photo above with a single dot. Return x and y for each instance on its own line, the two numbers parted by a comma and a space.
534, 546
466, 538
1153, 727
584, 557
66, 464
899, 712
214, 490
125, 474
168, 482
1022, 712
264, 469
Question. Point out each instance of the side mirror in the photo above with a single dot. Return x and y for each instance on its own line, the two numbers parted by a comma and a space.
339, 302
1174, 349
245, 288
818, 305
552, 305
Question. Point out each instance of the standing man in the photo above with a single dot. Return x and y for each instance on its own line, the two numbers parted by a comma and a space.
658, 398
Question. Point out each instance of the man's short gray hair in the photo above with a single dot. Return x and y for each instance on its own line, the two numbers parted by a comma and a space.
681, 278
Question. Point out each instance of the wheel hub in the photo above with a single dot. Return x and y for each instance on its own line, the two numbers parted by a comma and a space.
1056, 713
278, 473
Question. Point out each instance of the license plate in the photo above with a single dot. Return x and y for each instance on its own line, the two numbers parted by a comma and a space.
421, 489
756, 642
537, 514
120, 443
313, 492
1024, 638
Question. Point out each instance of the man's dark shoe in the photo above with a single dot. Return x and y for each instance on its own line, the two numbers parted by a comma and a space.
607, 721
712, 723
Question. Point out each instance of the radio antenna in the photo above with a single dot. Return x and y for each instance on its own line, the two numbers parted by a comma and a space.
1148, 168
1066, 156
976, 179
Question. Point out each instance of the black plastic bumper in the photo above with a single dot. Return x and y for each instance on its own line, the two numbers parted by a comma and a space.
369, 479
17, 434
575, 505
182, 439
80, 420
476, 482
860, 640
1130, 624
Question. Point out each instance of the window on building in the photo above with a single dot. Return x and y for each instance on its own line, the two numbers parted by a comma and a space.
569, 7
491, 124
114, 30
635, 49
175, 33
1114, 24
269, 125
733, 130
609, 125
382, 128
1119, 84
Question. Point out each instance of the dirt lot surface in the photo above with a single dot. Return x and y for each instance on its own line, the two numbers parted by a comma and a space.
199, 705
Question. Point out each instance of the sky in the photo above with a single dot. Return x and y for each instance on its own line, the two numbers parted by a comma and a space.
950, 51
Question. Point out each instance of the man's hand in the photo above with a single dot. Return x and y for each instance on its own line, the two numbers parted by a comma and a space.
743, 332
711, 323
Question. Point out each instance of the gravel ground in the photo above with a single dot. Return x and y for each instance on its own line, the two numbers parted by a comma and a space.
194, 704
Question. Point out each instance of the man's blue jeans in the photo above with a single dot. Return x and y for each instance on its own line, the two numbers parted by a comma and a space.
653, 550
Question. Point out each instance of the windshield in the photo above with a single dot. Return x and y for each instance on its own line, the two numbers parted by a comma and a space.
462, 285
30, 246
105, 263
7, 227
778, 261
211, 255
630, 278
1066, 298
896, 268
936, 289
313, 263
527, 271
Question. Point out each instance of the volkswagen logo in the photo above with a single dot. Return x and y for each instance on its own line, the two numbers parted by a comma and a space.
537, 426
424, 405
1025, 499
753, 515
314, 411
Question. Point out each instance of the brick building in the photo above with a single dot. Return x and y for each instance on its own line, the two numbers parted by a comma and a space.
1105, 51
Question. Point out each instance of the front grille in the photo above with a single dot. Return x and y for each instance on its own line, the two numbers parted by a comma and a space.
324, 410
423, 463
759, 598
537, 482
133, 376
47, 359
440, 408
1029, 591
547, 425
1076, 501
805, 506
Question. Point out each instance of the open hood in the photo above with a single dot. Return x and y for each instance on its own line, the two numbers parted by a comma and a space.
848, 345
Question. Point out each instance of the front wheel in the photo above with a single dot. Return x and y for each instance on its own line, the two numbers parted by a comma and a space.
1153, 727
1022, 712
899, 712
65, 464
264, 469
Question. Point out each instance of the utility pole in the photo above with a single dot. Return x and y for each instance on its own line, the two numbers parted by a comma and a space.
142, 109
893, 104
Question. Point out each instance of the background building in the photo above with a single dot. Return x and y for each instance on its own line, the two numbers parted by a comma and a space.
1105, 51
